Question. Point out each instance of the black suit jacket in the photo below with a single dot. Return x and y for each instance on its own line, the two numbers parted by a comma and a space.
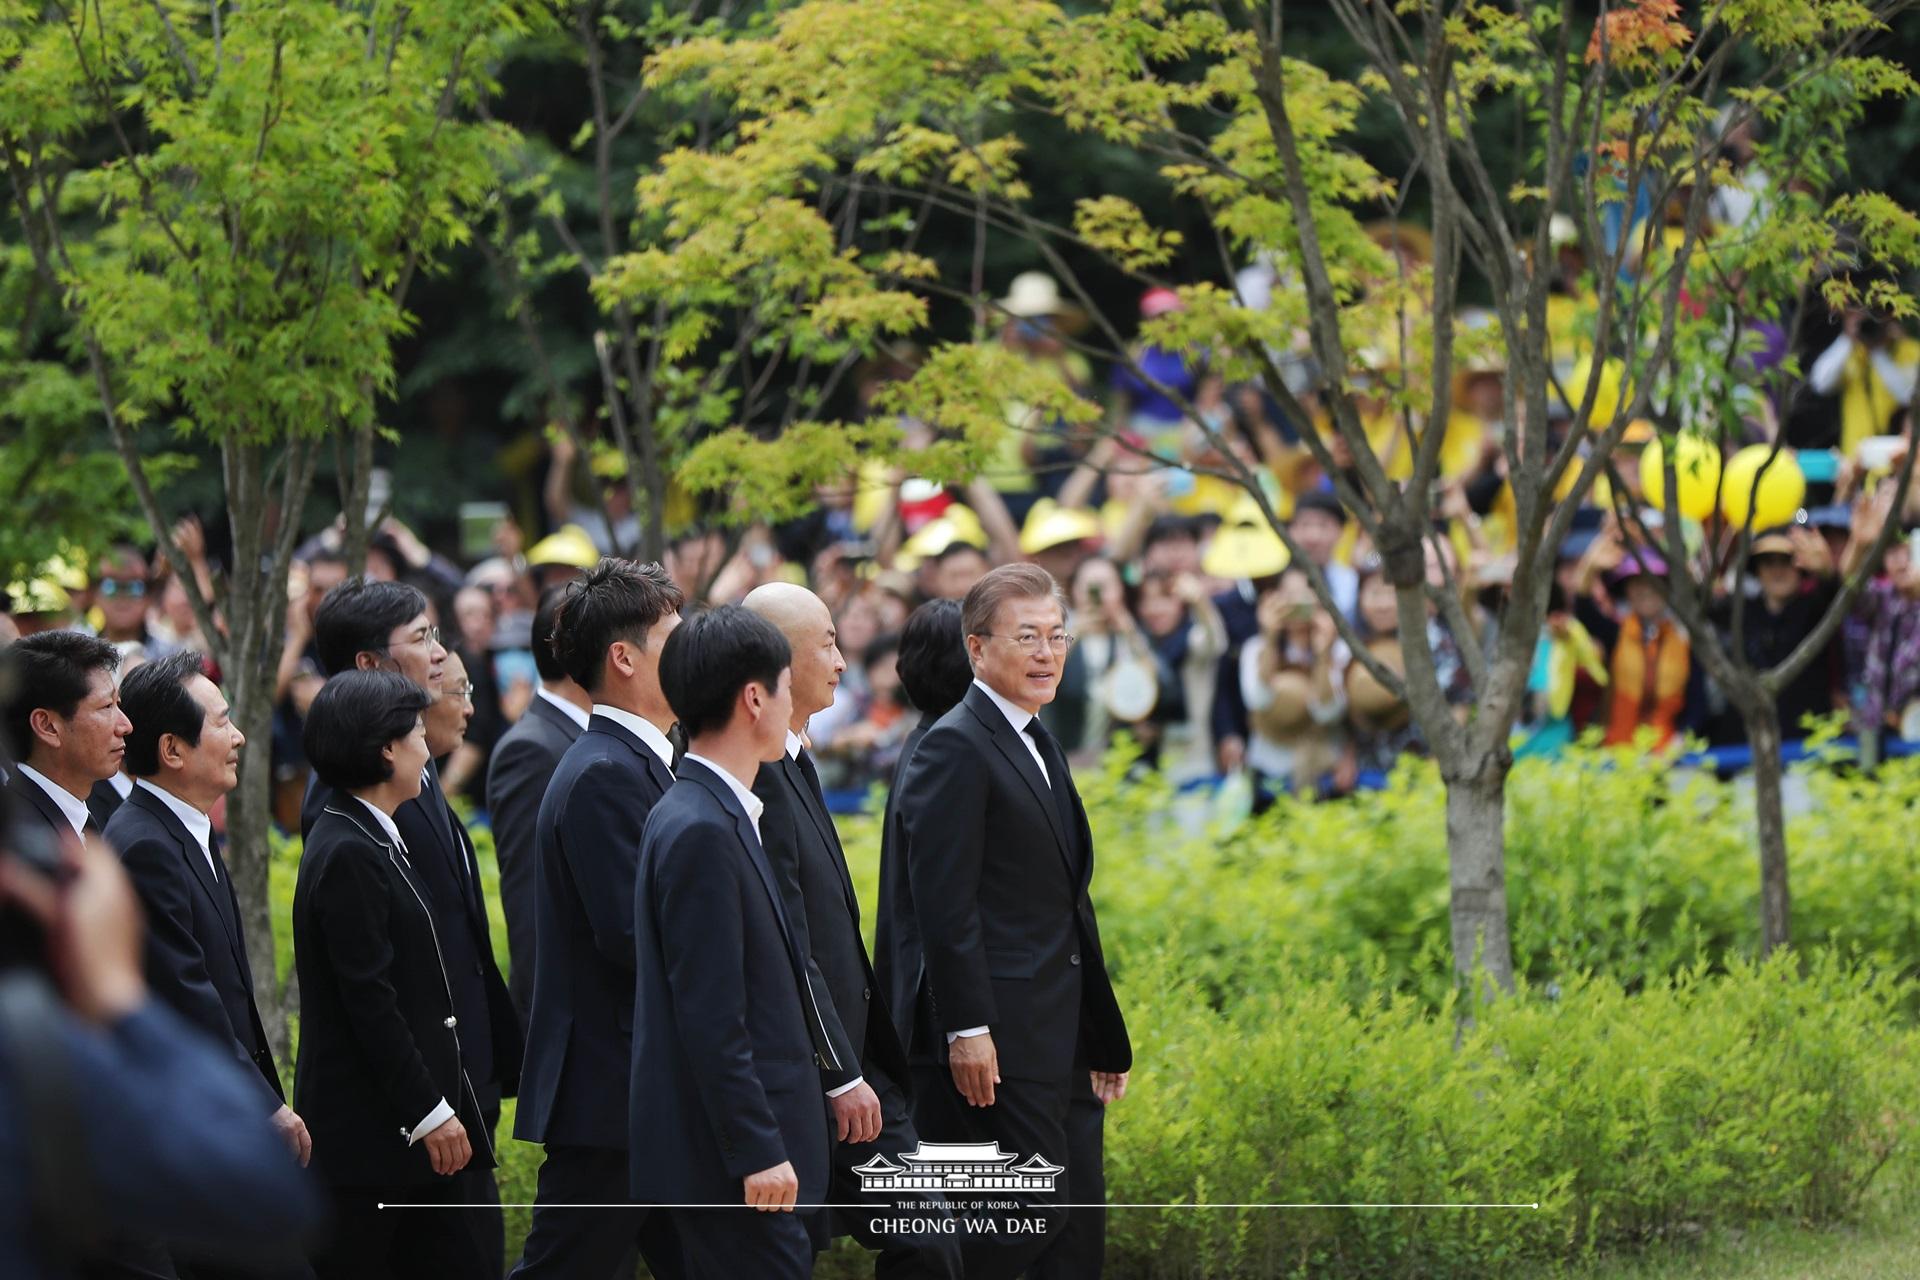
444, 864
196, 957
102, 803
898, 959
381, 1042
29, 799
517, 775
999, 882
817, 894
724, 1080
573, 1090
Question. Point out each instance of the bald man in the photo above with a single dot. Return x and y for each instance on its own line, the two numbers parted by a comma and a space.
863, 1068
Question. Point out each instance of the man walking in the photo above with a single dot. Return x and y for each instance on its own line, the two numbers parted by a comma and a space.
864, 1069
726, 1108
999, 856
608, 631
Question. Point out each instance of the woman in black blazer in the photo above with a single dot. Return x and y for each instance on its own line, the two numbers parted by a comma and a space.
379, 1077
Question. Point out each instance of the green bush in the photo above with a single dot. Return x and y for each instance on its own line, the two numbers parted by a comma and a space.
1291, 996
1747, 1096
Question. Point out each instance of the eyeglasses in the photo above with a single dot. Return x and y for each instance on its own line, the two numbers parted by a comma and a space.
462, 692
1034, 645
428, 638
112, 587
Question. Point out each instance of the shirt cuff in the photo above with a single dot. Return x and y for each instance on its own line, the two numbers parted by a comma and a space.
961, 1035
435, 1118
854, 1083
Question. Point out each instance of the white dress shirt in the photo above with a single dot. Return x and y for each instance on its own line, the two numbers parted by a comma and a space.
656, 741
72, 806
794, 744
741, 792
570, 709
441, 1112
198, 825
1019, 719
122, 785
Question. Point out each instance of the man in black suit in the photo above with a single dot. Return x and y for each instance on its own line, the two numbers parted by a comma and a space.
185, 751
64, 720
106, 797
726, 1106
523, 763
608, 631
1000, 856
865, 1072
370, 626
935, 675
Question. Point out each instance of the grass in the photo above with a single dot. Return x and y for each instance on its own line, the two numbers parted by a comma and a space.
1886, 1247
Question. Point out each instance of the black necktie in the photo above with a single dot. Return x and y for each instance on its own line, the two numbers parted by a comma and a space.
813, 778
1057, 776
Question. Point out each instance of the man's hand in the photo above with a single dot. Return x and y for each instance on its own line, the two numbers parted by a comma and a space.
293, 1131
1231, 752
774, 1190
976, 1067
448, 1148
92, 922
1109, 1086
856, 1114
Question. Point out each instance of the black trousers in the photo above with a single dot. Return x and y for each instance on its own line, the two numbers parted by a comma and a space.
1059, 1120
920, 1251
594, 1244
479, 1187
735, 1244
370, 1243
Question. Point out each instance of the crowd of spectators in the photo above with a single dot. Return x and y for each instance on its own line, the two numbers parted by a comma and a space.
1196, 634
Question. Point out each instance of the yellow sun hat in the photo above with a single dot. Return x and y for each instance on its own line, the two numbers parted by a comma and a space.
568, 545
1051, 525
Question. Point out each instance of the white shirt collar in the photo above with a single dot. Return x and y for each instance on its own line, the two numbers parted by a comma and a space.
198, 825
641, 728
71, 805
570, 709
793, 745
386, 824
122, 785
748, 801
1016, 717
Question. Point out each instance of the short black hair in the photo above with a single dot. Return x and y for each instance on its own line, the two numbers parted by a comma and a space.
883, 646
357, 617
1323, 502
711, 657
933, 664
958, 547
51, 670
1169, 528
545, 659
618, 600
352, 720
155, 698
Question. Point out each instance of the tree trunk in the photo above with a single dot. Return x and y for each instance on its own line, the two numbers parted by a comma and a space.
1762, 719
254, 609
1477, 876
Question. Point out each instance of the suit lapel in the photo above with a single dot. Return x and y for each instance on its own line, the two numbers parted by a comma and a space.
1007, 739
216, 890
823, 823
29, 790
433, 803
756, 853
656, 771
568, 727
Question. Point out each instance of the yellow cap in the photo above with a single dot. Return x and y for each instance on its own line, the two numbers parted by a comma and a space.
569, 545
1051, 525
957, 523
1246, 551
